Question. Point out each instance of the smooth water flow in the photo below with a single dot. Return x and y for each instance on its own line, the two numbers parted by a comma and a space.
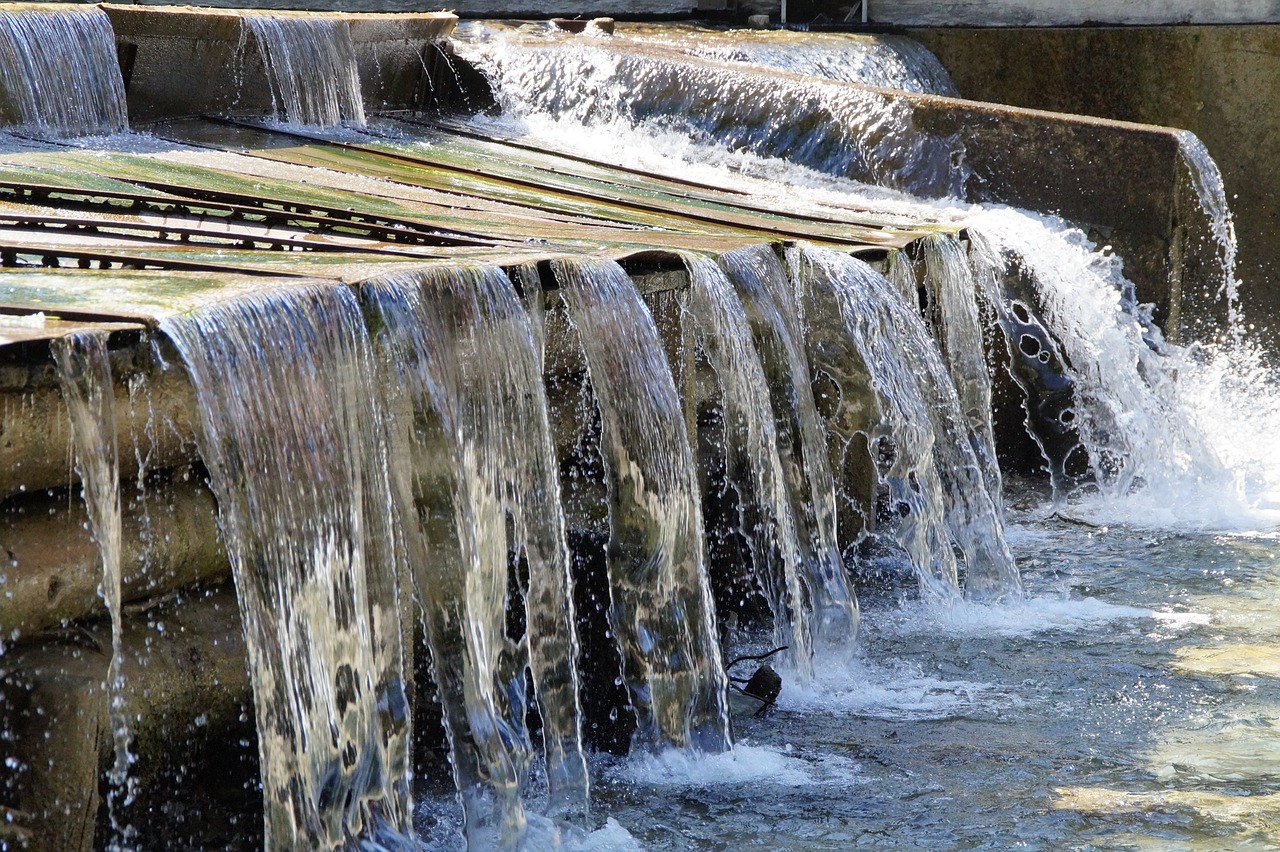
660, 608
487, 535
292, 436
84, 373
875, 348
311, 64
59, 76
768, 301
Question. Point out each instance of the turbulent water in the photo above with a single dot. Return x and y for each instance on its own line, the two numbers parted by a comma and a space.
1124, 696
293, 440
58, 72
311, 65
1108, 678
848, 131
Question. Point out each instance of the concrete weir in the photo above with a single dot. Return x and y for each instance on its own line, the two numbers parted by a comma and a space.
221, 203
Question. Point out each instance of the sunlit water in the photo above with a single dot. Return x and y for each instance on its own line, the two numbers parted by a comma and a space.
1130, 702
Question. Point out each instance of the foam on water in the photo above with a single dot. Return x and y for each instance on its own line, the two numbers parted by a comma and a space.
744, 765
892, 689
1026, 618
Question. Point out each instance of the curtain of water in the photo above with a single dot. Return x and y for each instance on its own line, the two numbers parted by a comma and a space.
293, 442
965, 449
875, 347
752, 444
84, 372
660, 609
1212, 195
463, 352
765, 294
59, 72
311, 63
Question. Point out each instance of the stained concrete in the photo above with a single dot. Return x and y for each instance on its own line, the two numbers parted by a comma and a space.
1218, 82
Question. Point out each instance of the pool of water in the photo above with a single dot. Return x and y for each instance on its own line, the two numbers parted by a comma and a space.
1129, 702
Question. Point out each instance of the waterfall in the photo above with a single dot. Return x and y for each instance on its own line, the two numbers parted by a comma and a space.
311, 64
84, 373
830, 127
1121, 394
885, 62
660, 609
1206, 180
807, 483
293, 441
462, 352
59, 72
876, 351
751, 444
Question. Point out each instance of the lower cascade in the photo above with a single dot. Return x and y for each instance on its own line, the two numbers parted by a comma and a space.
385, 476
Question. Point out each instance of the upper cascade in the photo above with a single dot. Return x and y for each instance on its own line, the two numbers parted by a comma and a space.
311, 63
59, 74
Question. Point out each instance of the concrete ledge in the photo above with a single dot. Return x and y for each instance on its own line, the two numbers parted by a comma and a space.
183, 61
1217, 82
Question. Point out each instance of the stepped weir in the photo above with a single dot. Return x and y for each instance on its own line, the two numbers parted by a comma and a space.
386, 410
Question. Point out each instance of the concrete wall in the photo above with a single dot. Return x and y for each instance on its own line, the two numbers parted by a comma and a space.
1218, 82
1066, 13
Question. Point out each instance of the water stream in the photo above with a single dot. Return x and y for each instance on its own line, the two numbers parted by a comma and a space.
293, 439
660, 608
1079, 663
84, 373
461, 348
58, 72
311, 65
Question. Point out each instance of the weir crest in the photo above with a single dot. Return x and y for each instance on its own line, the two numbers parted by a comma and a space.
517, 449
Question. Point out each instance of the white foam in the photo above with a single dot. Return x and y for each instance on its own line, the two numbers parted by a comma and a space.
744, 764
896, 690
1025, 618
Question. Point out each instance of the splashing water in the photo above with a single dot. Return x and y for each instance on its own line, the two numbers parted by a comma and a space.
311, 63
293, 441
463, 350
1206, 179
84, 372
883, 62
838, 129
660, 609
59, 72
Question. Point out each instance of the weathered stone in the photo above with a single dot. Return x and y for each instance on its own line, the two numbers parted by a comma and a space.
184, 669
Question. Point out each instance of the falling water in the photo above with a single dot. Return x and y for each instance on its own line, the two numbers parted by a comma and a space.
885, 62
875, 348
462, 349
660, 608
1212, 196
59, 72
834, 128
752, 444
311, 63
293, 443
1124, 407
808, 485
84, 372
